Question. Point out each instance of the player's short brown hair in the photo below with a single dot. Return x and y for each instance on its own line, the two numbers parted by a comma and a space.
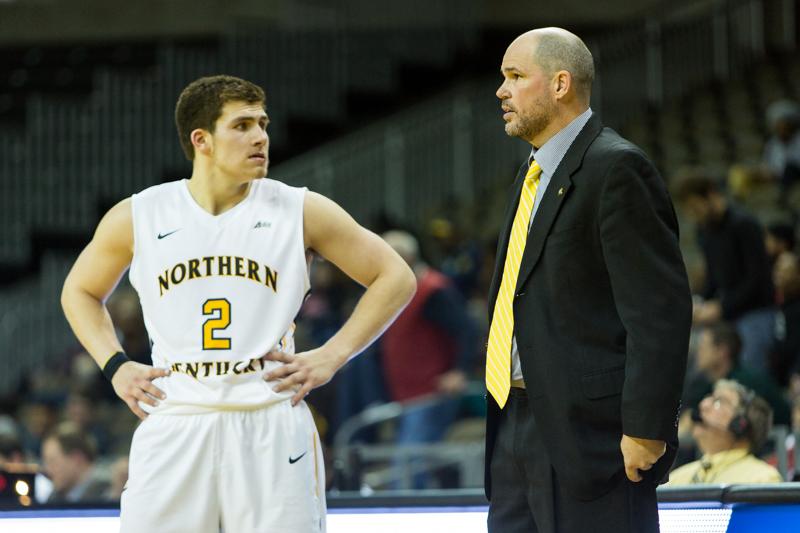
201, 102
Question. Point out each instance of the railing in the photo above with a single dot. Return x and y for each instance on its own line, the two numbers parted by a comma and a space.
383, 467
370, 467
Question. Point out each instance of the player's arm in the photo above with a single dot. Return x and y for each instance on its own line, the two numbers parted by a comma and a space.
368, 260
93, 277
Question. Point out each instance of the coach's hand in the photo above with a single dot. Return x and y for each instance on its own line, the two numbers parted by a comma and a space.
133, 382
640, 454
301, 372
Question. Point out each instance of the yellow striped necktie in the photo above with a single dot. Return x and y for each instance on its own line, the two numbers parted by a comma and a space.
498, 356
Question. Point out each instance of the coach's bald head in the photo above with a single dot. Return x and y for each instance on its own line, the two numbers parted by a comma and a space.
557, 49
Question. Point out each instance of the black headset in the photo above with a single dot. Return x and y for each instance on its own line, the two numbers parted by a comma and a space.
740, 424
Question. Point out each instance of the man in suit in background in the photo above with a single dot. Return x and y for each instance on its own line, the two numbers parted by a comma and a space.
68, 455
590, 312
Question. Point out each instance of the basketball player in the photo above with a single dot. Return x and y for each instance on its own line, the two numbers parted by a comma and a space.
219, 263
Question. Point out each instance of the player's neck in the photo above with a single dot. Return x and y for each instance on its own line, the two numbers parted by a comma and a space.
216, 194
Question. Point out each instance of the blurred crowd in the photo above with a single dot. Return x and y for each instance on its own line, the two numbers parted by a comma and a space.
744, 366
744, 361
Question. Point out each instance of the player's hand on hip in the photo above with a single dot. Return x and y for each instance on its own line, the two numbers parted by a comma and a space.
300, 372
640, 454
133, 382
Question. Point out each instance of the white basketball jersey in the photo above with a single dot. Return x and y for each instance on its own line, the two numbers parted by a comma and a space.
218, 292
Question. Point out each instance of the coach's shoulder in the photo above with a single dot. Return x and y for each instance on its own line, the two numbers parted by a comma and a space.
615, 147
613, 153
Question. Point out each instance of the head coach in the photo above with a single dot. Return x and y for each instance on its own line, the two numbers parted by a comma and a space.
590, 311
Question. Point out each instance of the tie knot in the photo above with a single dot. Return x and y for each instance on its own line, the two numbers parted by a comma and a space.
534, 171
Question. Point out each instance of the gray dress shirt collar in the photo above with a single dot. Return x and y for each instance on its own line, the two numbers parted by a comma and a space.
550, 154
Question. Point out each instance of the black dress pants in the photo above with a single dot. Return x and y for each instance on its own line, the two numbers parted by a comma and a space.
528, 498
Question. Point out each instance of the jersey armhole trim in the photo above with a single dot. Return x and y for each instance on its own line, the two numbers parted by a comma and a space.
307, 270
132, 267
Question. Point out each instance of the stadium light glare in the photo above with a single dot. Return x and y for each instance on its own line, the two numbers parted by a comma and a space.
22, 488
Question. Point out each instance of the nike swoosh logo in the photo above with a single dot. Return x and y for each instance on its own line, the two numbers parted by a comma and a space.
162, 235
294, 460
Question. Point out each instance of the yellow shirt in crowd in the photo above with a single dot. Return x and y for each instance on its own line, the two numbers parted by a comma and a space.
730, 466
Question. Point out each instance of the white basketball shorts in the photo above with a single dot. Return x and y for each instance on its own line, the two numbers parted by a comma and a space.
233, 471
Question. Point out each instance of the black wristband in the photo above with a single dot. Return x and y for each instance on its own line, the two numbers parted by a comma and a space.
113, 364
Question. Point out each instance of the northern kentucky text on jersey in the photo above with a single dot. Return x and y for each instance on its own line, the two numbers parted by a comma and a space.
223, 265
205, 369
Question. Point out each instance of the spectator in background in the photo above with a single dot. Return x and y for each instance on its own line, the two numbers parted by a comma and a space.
782, 149
10, 450
717, 359
8, 426
84, 374
738, 279
80, 411
322, 311
68, 455
38, 416
429, 349
779, 239
785, 353
791, 443
731, 427
461, 259
126, 314
780, 162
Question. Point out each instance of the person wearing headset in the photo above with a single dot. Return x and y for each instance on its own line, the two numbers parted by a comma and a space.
731, 425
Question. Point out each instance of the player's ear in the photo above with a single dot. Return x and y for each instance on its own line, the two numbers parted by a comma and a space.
202, 141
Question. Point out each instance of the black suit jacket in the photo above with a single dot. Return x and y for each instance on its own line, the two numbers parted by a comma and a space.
602, 312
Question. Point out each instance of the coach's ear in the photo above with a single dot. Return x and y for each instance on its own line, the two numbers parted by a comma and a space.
202, 141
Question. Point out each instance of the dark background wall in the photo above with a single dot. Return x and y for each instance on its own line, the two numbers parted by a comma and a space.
27, 21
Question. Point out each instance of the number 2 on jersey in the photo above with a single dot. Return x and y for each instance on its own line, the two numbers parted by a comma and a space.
219, 311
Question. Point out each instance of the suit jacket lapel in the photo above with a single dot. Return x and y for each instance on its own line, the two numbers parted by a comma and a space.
555, 195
